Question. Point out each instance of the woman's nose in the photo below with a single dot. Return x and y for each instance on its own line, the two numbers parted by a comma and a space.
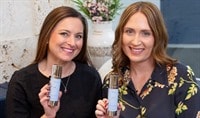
136, 40
71, 40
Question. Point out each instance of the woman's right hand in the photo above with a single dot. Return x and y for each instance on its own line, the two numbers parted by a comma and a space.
50, 112
102, 107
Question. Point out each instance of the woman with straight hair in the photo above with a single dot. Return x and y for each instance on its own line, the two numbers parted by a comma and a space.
62, 41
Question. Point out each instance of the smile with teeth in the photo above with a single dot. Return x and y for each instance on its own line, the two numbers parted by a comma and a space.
68, 50
136, 50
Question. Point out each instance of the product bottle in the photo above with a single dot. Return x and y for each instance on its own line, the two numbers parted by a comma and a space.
113, 95
55, 82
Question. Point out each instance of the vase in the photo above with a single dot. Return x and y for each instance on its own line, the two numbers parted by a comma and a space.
100, 41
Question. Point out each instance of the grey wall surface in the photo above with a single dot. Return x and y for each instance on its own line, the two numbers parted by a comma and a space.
182, 19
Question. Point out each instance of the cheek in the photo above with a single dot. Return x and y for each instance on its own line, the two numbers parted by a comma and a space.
124, 40
124, 43
54, 40
150, 46
150, 43
79, 44
51, 44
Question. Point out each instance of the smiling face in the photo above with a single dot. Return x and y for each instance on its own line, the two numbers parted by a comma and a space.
66, 40
137, 39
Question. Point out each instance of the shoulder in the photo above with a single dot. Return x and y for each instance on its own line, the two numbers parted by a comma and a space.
181, 74
87, 75
85, 69
181, 67
182, 70
25, 71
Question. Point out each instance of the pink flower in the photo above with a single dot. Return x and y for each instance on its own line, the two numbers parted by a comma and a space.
103, 10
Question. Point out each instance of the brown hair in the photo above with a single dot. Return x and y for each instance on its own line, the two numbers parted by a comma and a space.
157, 25
52, 19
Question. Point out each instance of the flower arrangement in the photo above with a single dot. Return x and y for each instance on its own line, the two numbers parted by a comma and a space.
99, 10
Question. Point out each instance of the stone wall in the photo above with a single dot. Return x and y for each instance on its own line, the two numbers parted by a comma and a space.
20, 22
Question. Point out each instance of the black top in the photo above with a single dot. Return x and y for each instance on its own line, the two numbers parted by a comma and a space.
169, 93
84, 90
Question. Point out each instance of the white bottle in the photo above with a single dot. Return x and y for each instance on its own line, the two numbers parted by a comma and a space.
55, 82
113, 95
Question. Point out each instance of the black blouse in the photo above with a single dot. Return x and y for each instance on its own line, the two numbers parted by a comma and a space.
171, 92
84, 89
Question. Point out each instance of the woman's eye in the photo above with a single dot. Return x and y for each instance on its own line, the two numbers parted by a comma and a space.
79, 36
145, 33
64, 34
129, 32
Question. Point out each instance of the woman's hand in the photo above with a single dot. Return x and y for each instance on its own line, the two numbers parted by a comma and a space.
102, 107
50, 112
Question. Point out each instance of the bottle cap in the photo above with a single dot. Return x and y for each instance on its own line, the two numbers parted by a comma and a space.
56, 71
113, 80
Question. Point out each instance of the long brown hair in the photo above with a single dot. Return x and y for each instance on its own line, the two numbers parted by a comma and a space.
157, 25
52, 19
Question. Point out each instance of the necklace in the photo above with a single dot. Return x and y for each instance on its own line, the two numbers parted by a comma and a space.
65, 85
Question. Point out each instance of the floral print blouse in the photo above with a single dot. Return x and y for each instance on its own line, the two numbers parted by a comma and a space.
171, 92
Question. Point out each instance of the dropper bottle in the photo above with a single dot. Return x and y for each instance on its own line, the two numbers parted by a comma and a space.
55, 82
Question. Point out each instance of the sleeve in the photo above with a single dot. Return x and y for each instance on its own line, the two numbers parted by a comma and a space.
187, 96
16, 102
99, 86
98, 93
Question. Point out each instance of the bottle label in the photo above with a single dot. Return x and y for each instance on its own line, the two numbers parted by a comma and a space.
113, 99
55, 88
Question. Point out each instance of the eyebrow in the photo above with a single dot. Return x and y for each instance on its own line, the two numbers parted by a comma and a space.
147, 30
141, 29
70, 31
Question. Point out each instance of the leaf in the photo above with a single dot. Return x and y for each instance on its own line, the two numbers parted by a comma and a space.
188, 96
181, 82
191, 92
173, 88
143, 110
180, 108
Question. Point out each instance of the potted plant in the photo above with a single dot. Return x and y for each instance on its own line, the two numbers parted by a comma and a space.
99, 10
101, 13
